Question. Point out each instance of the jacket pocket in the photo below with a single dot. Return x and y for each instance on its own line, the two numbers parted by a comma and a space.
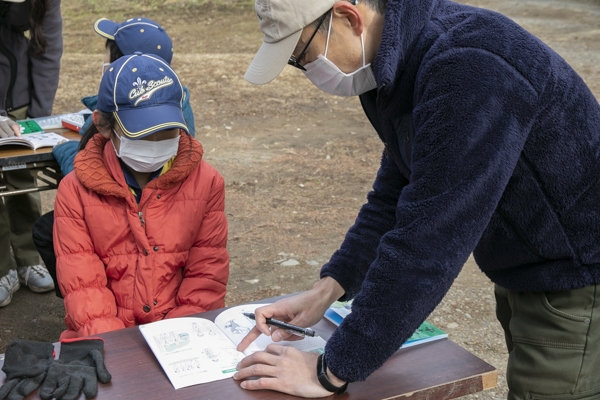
574, 304
525, 228
555, 319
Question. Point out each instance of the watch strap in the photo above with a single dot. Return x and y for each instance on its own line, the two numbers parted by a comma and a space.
324, 380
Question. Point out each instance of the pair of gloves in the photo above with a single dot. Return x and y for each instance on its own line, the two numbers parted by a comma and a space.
8, 127
29, 364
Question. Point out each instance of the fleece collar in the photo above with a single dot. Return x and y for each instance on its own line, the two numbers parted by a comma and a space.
97, 167
403, 22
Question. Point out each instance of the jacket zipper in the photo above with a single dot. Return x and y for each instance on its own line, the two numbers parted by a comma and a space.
141, 215
141, 207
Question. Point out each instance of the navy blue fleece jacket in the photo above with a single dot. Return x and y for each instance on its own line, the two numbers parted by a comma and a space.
492, 147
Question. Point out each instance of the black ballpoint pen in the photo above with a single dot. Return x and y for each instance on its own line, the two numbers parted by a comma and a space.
296, 330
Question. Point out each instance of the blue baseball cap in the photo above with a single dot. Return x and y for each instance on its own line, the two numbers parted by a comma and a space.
137, 34
143, 93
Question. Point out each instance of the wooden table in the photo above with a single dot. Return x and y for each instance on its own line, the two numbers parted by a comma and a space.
40, 163
435, 370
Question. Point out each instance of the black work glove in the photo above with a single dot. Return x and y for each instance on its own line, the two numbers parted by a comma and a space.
25, 366
79, 367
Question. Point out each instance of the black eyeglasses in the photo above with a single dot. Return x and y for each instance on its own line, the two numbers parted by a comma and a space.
295, 62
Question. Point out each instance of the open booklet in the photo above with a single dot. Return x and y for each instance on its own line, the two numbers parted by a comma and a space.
33, 140
194, 350
424, 333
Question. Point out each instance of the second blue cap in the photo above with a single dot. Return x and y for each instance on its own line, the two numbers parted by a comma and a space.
137, 34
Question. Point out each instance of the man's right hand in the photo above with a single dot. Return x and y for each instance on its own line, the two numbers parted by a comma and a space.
305, 309
8, 127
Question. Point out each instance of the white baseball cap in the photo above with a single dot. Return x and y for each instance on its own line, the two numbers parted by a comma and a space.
14, 1
282, 22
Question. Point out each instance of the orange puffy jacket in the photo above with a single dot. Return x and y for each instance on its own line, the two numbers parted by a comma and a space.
121, 264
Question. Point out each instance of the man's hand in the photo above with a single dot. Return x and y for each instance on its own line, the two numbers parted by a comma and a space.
305, 309
281, 368
8, 127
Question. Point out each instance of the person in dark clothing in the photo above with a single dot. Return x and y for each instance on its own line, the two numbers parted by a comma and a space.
492, 147
30, 51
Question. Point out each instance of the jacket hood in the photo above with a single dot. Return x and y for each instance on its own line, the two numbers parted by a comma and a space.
403, 23
98, 168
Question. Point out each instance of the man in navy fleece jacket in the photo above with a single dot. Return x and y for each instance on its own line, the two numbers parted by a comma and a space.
492, 147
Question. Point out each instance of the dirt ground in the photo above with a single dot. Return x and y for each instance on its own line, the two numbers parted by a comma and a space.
297, 162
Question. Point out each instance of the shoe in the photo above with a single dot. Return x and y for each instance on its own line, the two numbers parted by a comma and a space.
36, 278
8, 285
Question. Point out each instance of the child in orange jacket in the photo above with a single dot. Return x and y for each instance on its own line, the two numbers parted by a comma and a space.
140, 230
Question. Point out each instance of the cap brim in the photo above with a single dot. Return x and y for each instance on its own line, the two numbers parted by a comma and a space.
141, 122
14, 1
270, 59
106, 28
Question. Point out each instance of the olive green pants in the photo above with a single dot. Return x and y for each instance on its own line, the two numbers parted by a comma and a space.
553, 341
17, 215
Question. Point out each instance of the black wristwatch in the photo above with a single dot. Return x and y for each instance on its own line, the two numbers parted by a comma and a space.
324, 380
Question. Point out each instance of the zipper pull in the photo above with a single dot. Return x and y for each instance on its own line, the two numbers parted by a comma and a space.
141, 215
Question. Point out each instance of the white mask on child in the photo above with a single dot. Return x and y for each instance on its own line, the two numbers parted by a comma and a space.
325, 75
144, 155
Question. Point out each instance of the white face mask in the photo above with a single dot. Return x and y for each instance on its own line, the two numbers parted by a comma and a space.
144, 155
329, 78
